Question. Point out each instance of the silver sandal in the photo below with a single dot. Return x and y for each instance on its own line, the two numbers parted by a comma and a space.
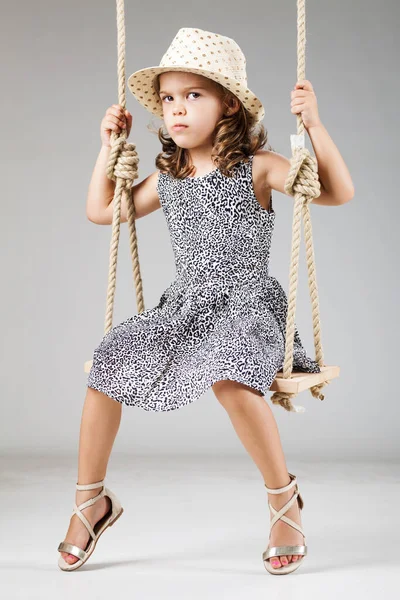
285, 550
109, 519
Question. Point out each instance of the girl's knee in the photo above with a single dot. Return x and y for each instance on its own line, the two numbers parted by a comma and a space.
227, 390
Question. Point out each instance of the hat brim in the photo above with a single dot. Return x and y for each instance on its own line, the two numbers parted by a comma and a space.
140, 84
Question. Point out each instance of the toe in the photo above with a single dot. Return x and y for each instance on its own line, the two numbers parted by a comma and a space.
72, 558
294, 557
69, 558
275, 562
289, 558
284, 560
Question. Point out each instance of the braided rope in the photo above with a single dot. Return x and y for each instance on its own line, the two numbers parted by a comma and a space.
302, 183
122, 168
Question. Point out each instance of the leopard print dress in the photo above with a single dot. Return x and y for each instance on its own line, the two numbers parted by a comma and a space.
222, 317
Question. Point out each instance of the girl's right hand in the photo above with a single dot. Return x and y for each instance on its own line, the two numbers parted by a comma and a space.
116, 120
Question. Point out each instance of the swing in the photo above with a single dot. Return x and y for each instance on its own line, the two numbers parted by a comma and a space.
302, 183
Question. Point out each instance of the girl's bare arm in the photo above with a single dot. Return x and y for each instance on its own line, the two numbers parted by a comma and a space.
101, 188
99, 204
276, 170
336, 184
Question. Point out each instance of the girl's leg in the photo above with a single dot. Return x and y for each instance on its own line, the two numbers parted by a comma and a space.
255, 424
100, 422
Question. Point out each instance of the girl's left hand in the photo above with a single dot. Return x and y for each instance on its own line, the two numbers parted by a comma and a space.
304, 101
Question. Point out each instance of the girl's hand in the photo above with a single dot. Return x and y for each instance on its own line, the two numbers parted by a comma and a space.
115, 119
304, 101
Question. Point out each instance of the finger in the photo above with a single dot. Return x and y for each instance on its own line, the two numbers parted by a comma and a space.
116, 111
304, 84
113, 127
296, 101
299, 108
116, 119
115, 108
299, 93
112, 124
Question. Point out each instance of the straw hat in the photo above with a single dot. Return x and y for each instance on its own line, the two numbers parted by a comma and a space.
197, 51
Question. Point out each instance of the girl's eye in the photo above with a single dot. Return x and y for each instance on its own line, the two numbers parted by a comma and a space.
196, 93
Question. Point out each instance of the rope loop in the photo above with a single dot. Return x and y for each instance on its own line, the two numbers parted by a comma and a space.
285, 400
303, 178
316, 389
123, 162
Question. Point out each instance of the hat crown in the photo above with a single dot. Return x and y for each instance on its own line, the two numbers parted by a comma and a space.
206, 50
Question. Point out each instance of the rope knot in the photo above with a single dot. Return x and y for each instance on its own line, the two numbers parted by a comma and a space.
303, 178
123, 162
285, 400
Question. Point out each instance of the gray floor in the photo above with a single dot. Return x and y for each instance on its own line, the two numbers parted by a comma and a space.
197, 527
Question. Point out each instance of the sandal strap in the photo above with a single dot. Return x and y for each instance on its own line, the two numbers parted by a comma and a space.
280, 514
84, 521
83, 505
78, 509
285, 488
91, 501
72, 549
89, 486
284, 551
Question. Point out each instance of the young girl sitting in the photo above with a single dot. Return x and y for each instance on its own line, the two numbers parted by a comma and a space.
221, 323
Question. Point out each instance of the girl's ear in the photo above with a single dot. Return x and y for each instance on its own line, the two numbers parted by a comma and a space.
233, 107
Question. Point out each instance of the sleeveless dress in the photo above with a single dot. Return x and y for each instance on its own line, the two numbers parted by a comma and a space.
222, 317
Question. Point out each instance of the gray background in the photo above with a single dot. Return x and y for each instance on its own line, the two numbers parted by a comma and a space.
58, 76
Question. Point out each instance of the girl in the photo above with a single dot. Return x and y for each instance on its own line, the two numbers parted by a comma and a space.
221, 323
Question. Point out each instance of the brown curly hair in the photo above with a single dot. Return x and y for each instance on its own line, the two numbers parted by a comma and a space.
235, 138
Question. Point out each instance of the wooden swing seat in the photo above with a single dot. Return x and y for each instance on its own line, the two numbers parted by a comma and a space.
300, 381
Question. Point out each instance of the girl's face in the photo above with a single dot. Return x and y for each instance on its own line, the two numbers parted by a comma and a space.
193, 100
